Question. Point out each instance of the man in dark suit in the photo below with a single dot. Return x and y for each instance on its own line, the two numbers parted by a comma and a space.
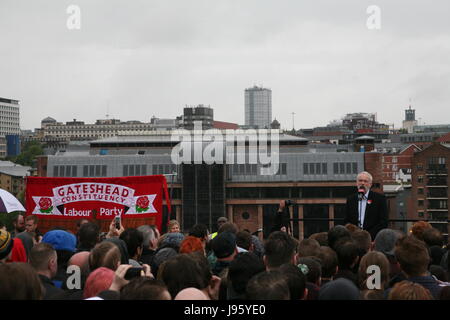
366, 209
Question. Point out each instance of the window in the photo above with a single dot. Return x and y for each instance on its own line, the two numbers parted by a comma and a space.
318, 168
354, 167
305, 168
311, 168
420, 179
420, 190
324, 168
245, 215
284, 168
336, 168
140, 169
65, 171
420, 203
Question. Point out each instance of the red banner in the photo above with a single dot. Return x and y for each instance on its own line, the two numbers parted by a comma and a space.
100, 198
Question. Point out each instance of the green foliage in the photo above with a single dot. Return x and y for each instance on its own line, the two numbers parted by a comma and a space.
21, 196
29, 153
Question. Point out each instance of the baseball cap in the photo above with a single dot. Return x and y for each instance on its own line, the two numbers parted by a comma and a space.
60, 240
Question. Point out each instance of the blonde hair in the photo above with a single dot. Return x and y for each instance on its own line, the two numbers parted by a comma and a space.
173, 223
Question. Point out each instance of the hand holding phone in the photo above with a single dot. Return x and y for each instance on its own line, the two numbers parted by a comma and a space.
117, 222
133, 273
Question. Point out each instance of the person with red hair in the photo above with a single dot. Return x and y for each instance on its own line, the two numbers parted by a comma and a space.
418, 228
191, 244
99, 280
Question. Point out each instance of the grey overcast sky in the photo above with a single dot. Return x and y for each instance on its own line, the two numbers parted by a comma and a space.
152, 57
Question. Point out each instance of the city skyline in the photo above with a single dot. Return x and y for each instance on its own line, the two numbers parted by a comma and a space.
135, 60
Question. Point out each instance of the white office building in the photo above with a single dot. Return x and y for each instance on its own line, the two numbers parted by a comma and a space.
9, 117
258, 107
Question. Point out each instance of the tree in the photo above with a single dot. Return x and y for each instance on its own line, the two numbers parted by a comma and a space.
29, 153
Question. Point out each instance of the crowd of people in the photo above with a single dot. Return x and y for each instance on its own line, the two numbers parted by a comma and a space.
344, 263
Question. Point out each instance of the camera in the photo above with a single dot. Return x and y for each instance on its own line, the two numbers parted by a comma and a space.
133, 273
289, 203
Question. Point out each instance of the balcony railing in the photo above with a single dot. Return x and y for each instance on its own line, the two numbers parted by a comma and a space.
437, 195
437, 169
437, 182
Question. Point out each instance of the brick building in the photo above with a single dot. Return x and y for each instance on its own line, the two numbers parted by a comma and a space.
430, 192
394, 162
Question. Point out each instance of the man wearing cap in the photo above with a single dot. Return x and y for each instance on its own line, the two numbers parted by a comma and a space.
220, 222
385, 243
6, 245
366, 209
224, 248
65, 244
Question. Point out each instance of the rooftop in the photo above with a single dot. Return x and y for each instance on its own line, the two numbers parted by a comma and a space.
16, 171
175, 136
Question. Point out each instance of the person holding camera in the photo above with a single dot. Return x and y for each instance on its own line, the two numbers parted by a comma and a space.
282, 217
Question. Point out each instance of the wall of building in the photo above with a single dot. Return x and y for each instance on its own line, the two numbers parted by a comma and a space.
9, 117
12, 184
373, 162
12, 145
430, 192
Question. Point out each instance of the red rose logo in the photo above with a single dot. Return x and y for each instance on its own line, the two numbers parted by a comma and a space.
142, 204
45, 205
